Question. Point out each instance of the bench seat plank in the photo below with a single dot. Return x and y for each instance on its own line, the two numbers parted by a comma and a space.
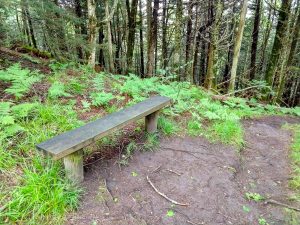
71, 141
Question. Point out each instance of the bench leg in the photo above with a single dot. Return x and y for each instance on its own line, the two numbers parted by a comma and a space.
74, 166
151, 122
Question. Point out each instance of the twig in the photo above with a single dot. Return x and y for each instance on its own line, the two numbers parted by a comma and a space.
193, 223
271, 201
188, 152
90, 163
163, 195
156, 169
179, 174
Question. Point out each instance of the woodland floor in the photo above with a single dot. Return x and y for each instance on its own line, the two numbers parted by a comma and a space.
212, 179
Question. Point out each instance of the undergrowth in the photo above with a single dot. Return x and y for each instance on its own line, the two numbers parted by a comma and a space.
40, 193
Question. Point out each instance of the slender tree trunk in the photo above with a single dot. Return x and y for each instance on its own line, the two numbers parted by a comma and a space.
31, 31
212, 50
101, 60
25, 23
142, 67
152, 37
80, 26
131, 15
255, 34
109, 39
270, 20
164, 35
178, 38
237, 46
189, 27
91, 5
226, 75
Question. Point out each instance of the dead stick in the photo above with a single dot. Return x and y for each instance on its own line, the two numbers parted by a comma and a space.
163, 195
193, 223
179, 174
271, 201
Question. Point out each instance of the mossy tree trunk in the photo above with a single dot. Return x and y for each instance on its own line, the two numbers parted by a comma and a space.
237, 46
280, 36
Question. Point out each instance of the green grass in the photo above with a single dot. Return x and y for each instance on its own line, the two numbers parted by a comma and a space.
295, 156
43, 196
194, 128
228, 132
167, 126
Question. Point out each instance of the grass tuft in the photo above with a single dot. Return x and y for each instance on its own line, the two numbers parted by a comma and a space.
43, 196
167, 126
228, 132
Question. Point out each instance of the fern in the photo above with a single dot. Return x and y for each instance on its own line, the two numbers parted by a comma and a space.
10, 116
101, 99
57, 90
98, 82
21, 80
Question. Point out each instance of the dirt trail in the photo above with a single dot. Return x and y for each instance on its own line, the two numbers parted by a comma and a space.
211, 178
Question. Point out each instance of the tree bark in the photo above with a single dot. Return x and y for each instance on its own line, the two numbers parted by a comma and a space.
281, 29
80, 26
109, 39
152, 36
255, 34
164, 35
237, 46
142, 66
212, 50
131, 17
92, 20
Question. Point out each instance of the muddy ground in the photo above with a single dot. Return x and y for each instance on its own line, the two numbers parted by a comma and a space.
211, 179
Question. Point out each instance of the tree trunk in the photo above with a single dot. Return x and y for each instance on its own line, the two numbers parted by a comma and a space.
237, 46
212, 49
80, 26
142, 66
281, 30
31, 31
152, 36
178, 38
164, 35
270, 20
109, 39
226, 75
255, 34
92, 19
189, 27
131, 15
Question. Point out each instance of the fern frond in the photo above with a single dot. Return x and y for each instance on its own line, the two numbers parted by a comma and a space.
58, 90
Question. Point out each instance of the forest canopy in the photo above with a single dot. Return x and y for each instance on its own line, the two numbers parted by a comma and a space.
227, 46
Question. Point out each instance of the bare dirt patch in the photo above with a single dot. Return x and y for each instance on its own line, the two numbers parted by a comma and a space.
211, 178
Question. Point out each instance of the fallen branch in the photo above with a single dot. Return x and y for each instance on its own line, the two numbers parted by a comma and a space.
271, 201
163, 195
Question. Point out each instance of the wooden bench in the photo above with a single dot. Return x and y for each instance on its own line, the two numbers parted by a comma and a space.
69, 144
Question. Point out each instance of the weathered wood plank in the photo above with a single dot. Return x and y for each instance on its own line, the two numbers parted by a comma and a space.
71, 141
